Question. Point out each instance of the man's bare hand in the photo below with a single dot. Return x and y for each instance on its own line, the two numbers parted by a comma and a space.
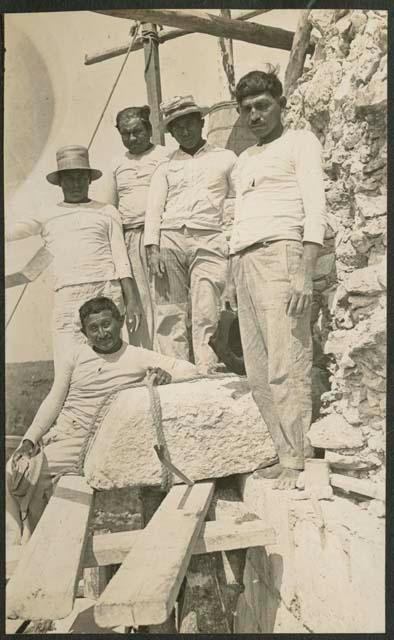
301, 293
162, 377
25, 449
133, 316
155, 262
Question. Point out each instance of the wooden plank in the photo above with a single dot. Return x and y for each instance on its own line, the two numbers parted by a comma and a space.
355, 485
112, 548
152, 80
298, 52
144, 589
164, 36
46, 578
203, 22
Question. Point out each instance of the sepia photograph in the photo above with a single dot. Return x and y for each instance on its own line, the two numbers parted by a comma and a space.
195, 280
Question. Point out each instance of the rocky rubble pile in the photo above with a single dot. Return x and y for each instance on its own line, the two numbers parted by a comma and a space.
342, 98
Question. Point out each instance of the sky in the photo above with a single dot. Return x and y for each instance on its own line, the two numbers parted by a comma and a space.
52, 99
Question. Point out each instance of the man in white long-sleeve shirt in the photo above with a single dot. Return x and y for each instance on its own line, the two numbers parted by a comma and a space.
86, 241
83, 379
279, 226
187, 249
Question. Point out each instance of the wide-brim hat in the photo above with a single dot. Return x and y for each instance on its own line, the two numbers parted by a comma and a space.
72, 157
177, 107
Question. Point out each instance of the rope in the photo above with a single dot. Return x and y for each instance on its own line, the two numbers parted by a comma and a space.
155, 407
133, 39
17, 304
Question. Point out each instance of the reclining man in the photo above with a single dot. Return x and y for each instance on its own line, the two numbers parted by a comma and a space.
279, 226
83, 379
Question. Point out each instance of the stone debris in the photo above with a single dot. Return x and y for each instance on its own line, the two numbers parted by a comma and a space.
342, 98
212, 428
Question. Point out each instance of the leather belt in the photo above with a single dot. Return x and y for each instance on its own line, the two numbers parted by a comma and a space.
263, 244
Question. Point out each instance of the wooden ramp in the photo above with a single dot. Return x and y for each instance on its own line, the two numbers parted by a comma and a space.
44, 584
44, 574
145, 588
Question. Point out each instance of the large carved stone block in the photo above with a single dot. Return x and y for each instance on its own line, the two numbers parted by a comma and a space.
211, 426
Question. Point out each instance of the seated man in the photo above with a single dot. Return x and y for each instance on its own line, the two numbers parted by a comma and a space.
83, 380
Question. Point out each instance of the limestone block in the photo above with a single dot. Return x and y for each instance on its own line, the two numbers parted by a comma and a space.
212, 428
333, 432
341, 462
372, 97
370, 206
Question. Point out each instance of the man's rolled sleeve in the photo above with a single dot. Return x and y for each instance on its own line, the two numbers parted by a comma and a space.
157, 197
22, 229
310, 178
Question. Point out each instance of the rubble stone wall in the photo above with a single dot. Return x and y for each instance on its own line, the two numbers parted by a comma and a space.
342, 98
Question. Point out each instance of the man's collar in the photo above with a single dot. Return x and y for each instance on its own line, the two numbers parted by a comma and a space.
205, 147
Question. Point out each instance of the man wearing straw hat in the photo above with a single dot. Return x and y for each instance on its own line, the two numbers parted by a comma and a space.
187, 249
86, 241
128, 192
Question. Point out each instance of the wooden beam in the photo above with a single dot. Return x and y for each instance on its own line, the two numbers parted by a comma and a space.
203, 22
145, 588
247, 15
298, 52
112, 548
355, 485
164, 36
45, 581
152, 79
226, 90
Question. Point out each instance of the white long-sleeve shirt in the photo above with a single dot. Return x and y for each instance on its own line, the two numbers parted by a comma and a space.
84, 378
280, 192
189, 190
130, 179
85, 239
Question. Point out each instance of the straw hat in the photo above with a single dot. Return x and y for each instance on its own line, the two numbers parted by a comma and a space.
177, 107
72, 157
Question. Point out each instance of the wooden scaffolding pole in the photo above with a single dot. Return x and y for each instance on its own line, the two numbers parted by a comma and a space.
203, 22
298, 52
226, 64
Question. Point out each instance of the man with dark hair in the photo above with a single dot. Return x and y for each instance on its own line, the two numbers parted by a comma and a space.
130, 178
187, 249
83, 379
86, 241
279, 226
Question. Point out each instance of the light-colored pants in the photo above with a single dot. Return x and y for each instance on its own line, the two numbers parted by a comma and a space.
277, 348
60, 457
67, 302
134, 240
195, 261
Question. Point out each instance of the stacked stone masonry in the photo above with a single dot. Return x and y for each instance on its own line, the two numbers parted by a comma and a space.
342, 98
